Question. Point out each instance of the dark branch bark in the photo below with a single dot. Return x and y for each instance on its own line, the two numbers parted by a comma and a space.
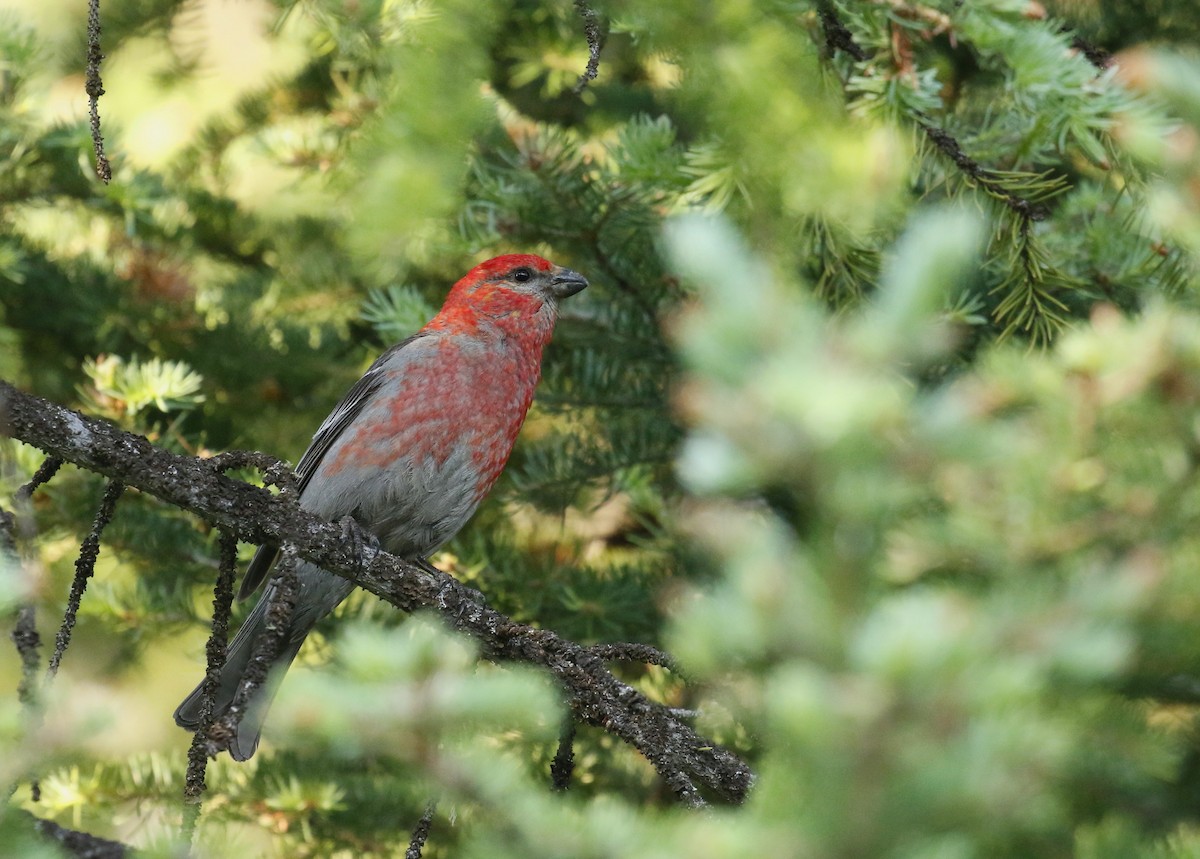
595, 42
1096, 55
682, 757
215, 651
78, 844
837, 35
563, 764
95, 88
85, 566
421, 833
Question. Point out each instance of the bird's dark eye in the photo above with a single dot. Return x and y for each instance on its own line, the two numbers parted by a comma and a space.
522, 275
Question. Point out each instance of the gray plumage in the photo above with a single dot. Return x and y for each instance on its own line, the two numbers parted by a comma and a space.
409, 452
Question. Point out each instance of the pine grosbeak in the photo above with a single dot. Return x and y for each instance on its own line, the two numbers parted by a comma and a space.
411, 450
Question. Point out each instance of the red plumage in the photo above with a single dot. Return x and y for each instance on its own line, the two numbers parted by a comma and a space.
413, 447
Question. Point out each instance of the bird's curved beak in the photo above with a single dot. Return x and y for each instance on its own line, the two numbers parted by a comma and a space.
566, 282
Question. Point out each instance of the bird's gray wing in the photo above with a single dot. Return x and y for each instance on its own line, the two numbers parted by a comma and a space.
327, 433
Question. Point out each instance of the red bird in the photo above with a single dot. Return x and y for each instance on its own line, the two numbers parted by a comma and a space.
411, 450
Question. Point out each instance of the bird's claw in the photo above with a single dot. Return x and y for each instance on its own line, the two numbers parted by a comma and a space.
358, 538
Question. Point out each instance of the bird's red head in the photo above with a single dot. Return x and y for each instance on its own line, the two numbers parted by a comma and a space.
510, 291
506, 264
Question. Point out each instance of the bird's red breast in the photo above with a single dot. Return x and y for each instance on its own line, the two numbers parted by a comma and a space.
468, 384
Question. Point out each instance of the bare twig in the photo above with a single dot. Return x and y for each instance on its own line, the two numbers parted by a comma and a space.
95, 88
633, 652
46, 471
837, 36
420, 833
275, 471
682, 757
78, 844
25, 637
194, 784
563, 764
25, 633
85, 565
595, 41
281, 592
1096, 55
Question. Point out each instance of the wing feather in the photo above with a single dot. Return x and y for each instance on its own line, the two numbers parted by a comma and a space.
327, 433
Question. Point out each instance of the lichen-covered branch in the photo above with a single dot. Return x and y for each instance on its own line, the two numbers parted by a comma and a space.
95, 88
595, 41
691, 764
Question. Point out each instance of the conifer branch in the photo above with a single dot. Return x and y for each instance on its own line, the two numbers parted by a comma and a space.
1028, 302
837, 35
684, 759
991, 182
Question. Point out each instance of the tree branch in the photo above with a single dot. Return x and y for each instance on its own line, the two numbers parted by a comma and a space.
837, 35
421, 833
95, 88
682, 757
78, 844
595, 42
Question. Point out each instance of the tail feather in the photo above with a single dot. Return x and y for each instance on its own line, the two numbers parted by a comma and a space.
244, 743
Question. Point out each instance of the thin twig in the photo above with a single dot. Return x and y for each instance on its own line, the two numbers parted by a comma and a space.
49, 467
85, 565
421, 833
1096, 55
25, 633
563, 765
95, 88
25, 637
595, 41
73, 843
275, 471
194, 784
980, 175
282, 591
633, 652
837, 36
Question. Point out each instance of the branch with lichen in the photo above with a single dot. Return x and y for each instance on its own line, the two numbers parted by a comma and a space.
691, 765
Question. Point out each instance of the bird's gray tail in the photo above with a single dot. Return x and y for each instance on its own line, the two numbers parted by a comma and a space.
245, 741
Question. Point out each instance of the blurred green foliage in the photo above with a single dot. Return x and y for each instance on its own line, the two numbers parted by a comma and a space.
880, 414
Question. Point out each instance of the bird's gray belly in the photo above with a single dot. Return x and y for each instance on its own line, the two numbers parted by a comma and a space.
411, 509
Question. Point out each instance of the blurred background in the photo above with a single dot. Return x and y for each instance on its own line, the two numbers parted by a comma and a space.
882, 413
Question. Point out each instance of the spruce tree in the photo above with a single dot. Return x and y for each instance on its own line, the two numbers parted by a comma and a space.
879, 416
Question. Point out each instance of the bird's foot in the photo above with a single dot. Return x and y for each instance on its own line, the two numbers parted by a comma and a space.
358, 539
